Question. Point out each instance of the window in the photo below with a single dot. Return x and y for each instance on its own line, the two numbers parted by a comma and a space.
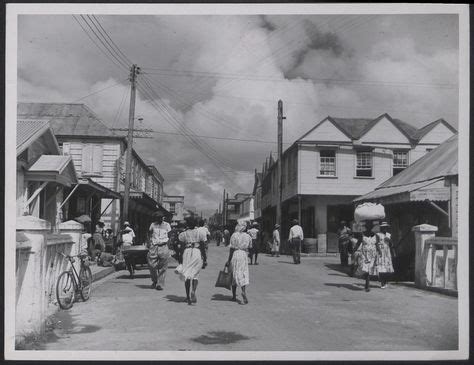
92, 156
400, 161
327, 163
173, 208
364, 164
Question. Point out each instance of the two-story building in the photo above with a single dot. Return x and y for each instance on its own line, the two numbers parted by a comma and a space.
336, 161
175, 205
98, 155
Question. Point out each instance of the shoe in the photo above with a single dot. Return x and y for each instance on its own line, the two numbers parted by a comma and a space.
158, 287
153, 285
193, 298
250, 263
244, 297
234, 299
367, 289
383, 286
256, 263
189, 301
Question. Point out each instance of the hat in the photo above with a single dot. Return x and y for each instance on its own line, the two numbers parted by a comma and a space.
126, 223
294, 221
277, 226
384, 224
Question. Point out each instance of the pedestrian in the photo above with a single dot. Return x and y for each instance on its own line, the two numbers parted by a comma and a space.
192, 238
384, 256
203, 247
98, 241
173, 243
158, 253
218, 236
238, 261
254, 233
368, 249
276, 241
226, 237
295, 238
344, 234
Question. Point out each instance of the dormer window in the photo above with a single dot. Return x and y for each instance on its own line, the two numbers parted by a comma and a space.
364, 164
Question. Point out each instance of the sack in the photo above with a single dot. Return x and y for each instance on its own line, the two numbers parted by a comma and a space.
369, 212
224, 280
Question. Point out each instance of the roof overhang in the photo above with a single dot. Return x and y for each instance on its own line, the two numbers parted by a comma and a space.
100, 190
433, 190
145, 203
53, 168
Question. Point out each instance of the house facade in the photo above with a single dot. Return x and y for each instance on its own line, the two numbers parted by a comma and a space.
336, 161
98, 155
175, 205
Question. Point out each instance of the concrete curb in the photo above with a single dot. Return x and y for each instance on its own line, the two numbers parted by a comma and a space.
102, 273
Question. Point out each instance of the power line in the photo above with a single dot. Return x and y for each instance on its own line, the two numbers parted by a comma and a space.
222, 138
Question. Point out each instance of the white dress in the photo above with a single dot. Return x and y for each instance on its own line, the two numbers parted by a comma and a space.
239, 265
192, 260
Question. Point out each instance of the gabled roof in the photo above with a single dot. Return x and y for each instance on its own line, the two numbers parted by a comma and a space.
27, 131
67, 119
420, 133
56, 168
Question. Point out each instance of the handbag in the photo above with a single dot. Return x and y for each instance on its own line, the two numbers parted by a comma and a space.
224, 280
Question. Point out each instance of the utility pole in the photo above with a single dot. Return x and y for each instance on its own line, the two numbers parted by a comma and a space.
279, 163
134, 70
223, 209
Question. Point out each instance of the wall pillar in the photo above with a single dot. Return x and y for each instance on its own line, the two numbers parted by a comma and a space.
31, 300
75, 230
422, 232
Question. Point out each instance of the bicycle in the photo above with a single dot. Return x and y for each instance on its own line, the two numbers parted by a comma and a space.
70, 283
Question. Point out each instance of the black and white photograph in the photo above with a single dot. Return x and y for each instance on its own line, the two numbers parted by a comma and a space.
237, 182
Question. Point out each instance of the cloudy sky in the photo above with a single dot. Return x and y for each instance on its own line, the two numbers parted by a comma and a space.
221, 76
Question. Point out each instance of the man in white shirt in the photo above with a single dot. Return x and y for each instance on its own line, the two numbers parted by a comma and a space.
158, 253
205, 234
295, 238
276, 241
254, 233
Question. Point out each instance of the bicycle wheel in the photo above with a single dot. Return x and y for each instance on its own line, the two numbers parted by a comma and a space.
85, 278
65, 290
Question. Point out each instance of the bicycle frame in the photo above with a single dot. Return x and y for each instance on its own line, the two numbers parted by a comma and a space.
75, 276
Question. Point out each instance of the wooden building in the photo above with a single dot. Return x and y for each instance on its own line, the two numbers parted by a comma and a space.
336, 161
175, 205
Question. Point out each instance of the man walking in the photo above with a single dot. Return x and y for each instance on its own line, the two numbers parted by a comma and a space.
344, 233
204, 232
276, 241
158, 253
254, 233
295, 238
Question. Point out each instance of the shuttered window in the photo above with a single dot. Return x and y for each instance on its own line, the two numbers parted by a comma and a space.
92, 156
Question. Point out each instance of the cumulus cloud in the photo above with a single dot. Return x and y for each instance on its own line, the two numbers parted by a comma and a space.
222, 76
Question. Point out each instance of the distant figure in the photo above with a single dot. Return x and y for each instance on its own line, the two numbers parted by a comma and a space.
238, 261
218, 236
106, 258
368, 250
98, 241
226, 237
384, 256
295, 238
276, 241
192, 238
128, 235
158, 253
254, 233
344, 234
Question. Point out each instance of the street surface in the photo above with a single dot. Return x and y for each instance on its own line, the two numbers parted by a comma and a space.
308, 307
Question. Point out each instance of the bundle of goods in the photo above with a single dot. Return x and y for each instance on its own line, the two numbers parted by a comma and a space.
369, 212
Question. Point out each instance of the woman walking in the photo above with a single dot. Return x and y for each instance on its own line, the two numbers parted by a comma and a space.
238, 260
384, 257
368, 250
192, 238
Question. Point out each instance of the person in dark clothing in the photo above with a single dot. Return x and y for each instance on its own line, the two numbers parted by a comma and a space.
254, 233
344, 234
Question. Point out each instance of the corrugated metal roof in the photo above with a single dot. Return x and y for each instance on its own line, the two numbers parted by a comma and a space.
442, 161
67, 119
26, 130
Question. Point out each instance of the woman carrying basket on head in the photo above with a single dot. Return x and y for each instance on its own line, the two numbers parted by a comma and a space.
238, 260
192, 238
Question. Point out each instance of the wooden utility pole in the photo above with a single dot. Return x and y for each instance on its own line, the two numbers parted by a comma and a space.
223, 209
279, 162
134, 70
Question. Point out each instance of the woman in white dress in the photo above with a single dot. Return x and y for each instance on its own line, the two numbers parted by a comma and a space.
238, 260
192, 259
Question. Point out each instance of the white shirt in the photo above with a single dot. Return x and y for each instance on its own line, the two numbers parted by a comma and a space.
276, 236
127, 237
253, 232
159, 232
204, 232
295, 232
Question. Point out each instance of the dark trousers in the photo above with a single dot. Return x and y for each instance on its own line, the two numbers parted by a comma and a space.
296, 250
253, 252
203, 248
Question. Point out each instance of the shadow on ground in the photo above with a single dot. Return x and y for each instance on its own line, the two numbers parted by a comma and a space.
286, 262
175, 298
135, 276
346, 286
222, 297
339, 268
219, 338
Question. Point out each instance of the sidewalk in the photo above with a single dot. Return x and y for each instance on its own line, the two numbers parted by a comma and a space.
100, 272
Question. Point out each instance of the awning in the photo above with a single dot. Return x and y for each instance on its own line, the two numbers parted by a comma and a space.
433, 190
144, 203
91, 186
53, 168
